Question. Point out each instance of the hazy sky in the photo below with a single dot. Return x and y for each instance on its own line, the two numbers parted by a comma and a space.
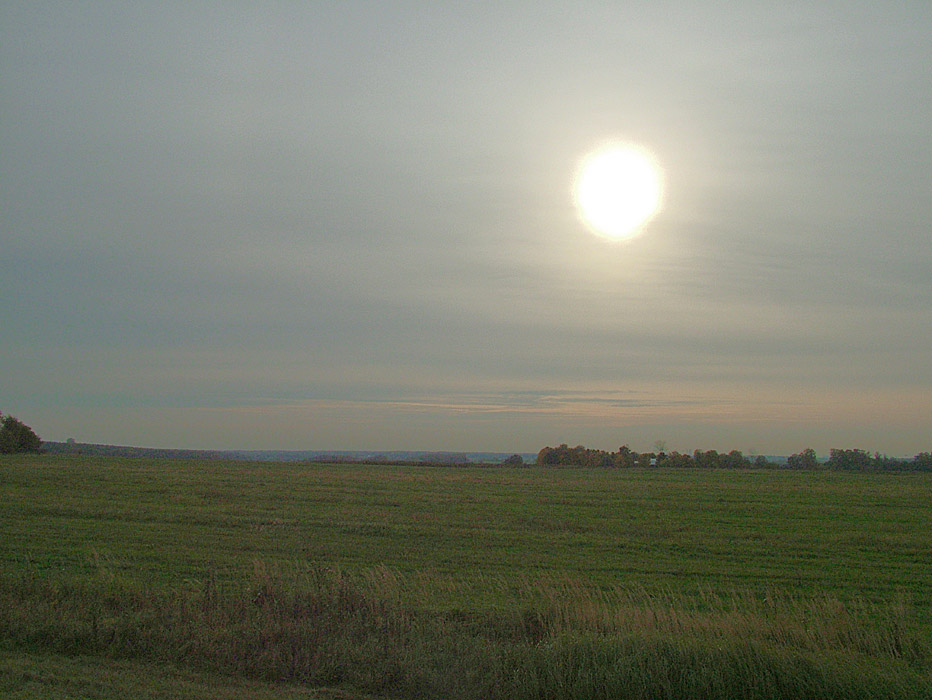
350, 225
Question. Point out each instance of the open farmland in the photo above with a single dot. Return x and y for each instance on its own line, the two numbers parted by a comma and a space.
475, 582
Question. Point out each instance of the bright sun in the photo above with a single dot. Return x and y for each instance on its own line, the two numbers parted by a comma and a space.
618, 189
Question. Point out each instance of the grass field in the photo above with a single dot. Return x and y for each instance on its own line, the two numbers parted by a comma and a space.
464, 582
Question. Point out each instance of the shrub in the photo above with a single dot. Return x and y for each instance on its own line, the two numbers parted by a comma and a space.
16, 436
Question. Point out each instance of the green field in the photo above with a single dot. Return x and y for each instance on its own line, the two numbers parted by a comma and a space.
374, 581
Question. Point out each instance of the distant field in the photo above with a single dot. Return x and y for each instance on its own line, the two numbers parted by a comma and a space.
821, 578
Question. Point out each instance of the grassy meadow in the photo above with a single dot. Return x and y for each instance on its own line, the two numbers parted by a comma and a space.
356, 581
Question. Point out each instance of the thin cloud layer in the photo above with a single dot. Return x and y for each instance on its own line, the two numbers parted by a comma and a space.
369, 211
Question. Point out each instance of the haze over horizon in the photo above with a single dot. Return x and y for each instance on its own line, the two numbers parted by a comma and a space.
351, 225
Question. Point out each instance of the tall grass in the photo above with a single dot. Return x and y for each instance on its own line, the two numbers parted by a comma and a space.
326, 627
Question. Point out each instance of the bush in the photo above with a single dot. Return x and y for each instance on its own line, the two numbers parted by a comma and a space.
16, 436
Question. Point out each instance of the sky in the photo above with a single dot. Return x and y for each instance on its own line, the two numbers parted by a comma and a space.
322, 225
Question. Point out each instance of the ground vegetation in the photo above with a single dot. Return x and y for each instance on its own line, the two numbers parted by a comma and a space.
408, 582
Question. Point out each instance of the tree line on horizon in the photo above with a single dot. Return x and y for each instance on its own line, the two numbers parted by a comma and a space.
626, 458
17, 437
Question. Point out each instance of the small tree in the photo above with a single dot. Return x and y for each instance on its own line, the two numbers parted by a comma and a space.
16, 436
803, 460
514, 461
849, 459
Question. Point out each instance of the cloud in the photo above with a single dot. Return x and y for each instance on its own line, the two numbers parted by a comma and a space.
372, 206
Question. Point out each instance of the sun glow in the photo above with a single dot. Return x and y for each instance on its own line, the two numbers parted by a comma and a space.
618, 189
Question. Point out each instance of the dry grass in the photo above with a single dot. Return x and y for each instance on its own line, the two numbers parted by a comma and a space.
322, 626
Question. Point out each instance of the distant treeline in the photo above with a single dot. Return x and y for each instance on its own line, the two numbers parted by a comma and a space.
96, 450
398, 458
848, 460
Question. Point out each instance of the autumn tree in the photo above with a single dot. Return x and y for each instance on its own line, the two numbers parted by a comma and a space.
849, 460
803, 460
